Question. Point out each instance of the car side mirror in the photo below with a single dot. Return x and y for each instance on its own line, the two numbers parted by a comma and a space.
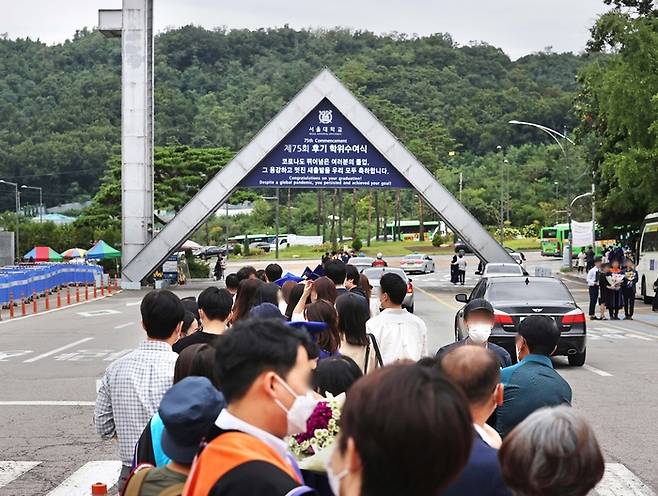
461, 297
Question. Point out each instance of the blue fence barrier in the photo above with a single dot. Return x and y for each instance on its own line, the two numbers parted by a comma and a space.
22, 281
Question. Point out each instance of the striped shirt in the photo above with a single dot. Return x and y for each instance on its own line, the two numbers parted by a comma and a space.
130, 394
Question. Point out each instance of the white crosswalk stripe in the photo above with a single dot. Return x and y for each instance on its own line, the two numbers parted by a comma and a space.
617, 481
79, 483
10, 470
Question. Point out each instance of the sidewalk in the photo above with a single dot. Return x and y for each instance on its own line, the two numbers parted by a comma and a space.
648, 317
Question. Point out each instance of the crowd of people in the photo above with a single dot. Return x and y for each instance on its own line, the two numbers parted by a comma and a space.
206, 405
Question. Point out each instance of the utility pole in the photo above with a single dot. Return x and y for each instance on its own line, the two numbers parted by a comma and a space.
502, 199
593, 214
276, 221
461, 185
227, 228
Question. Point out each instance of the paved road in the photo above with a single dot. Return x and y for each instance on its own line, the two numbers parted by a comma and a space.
49, 365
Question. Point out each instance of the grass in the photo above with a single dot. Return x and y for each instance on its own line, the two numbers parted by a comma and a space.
388, 249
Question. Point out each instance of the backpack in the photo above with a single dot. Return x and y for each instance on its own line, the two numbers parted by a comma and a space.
136, 481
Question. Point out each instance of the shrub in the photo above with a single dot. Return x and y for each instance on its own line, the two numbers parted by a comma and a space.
357, 244
237, 249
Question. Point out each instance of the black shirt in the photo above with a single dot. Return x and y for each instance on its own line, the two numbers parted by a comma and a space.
194, 338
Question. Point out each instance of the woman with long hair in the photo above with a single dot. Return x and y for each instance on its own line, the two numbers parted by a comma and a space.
354, 341
329, 339
324, 289
247, 297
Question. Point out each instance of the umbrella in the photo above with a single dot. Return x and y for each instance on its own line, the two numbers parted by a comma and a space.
74, 253
190, 245
43, 254
102, 250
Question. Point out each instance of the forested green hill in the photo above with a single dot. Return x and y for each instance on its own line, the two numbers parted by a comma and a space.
60, 105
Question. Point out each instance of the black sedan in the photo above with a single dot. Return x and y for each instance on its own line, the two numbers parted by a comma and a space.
515, 298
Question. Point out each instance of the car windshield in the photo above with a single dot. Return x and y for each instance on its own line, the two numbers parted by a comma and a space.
376, 273
360, 260
504, 269
415, 257
533, 291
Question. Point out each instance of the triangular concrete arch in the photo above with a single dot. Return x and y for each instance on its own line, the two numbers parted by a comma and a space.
324, 85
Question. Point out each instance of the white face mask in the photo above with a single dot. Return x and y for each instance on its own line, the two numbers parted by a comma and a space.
300, 411
334, 479
480, 332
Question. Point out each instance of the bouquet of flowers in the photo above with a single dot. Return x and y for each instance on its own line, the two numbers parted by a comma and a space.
310, 447
615, 280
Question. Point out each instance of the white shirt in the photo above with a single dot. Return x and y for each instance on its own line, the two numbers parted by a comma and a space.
461, 263
400, 335
593, 276
228, 422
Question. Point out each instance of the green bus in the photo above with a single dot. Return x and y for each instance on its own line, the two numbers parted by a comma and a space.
554, 238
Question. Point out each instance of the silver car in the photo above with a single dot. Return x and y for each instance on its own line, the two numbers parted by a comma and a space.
374, 274
361, 262
417, 262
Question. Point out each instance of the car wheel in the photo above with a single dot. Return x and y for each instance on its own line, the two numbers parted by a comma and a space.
577, 360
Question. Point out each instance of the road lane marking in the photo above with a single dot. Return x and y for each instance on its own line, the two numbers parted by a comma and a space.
47, 403
10, 471
99, 313
57, 350
4, 355
596, 371
618, 480
46, 312
440, 300
133, 303
79, 482
121, 326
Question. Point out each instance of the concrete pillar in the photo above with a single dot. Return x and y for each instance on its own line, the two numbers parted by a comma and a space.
136, 129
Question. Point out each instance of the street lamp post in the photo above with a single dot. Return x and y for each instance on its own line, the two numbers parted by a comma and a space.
502, 200
557, 136
24, 186
18, 208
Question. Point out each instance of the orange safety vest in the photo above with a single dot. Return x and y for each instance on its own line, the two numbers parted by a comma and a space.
226, 452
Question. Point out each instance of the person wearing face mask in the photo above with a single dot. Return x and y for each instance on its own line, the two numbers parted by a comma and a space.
476, 371
404, 430
265, 373
532, 383
479, 320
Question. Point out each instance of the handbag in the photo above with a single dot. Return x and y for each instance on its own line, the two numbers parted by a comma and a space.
378, 354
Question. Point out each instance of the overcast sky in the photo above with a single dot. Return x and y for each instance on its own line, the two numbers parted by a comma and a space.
519, 27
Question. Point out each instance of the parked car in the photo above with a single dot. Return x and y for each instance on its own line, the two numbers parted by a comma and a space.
361, 262
374, 274
207, 252
502, 269
260, 245
516, 297
461, 246
417, 262
283, 243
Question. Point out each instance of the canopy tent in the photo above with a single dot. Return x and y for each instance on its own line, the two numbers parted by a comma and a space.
102, 250
42, 254
74, 253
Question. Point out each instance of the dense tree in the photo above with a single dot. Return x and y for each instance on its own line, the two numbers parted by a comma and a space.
618, 108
